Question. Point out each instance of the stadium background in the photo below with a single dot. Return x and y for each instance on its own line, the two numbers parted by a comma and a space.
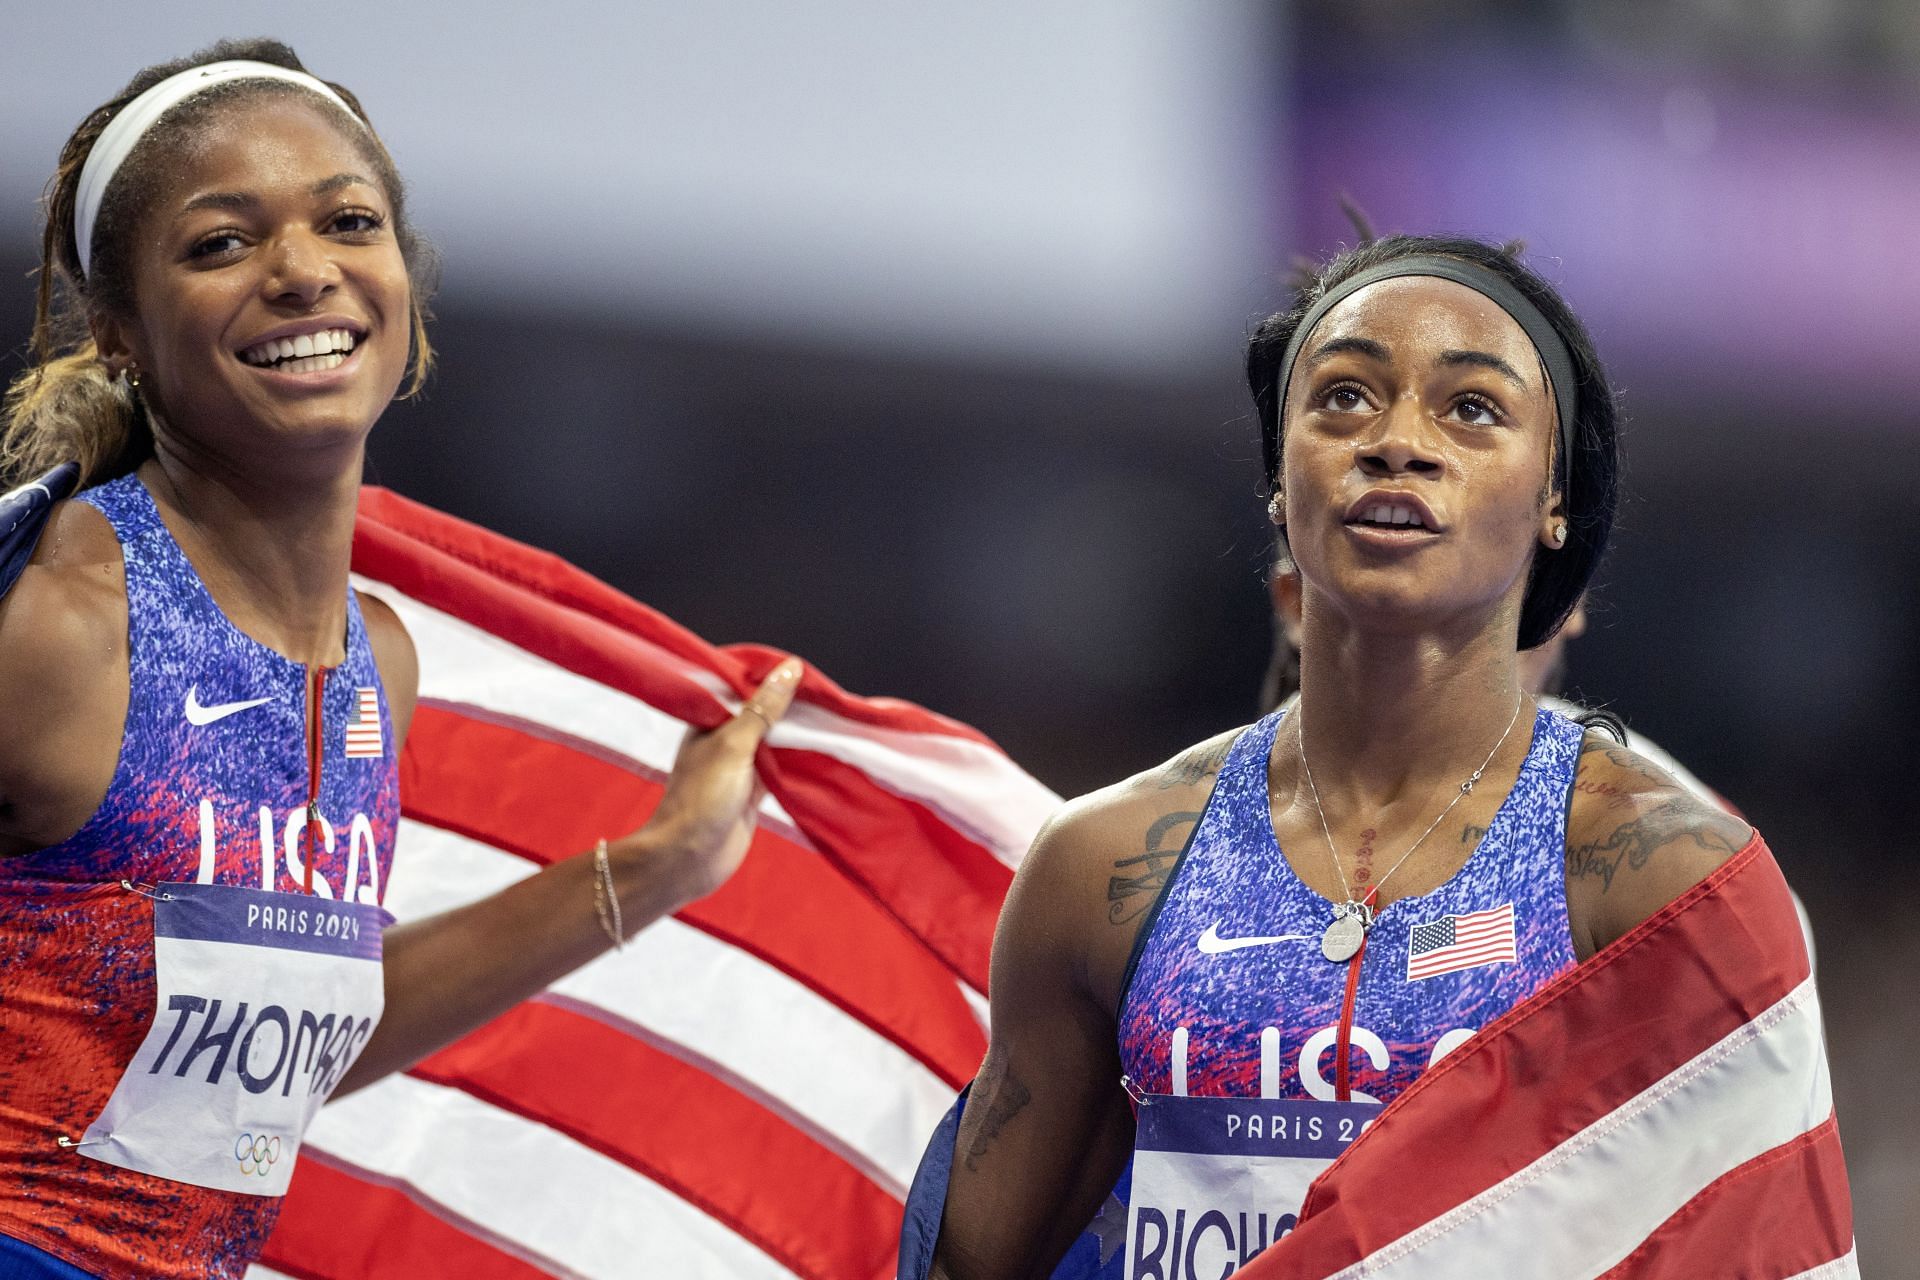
908, 339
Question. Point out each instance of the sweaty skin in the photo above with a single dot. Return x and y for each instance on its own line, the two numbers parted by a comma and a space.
1410, 389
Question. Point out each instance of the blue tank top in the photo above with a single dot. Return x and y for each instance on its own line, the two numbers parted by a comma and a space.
211, 786
1203, 1017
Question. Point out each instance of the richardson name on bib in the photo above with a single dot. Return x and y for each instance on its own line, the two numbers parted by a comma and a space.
1200, 1243
267, 1048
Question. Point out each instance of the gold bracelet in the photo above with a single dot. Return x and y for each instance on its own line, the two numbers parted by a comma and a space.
606, 900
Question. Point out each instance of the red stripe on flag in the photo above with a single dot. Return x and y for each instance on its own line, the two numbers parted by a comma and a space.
1765, 1220
949, 895
546, 800
1453, 961
714, 1147
339, 1226
1527, 1082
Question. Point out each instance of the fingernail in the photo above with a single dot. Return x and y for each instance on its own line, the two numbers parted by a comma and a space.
790, 670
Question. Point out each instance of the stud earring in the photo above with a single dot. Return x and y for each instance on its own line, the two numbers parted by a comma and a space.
133, 376
1559, 535
1275, 512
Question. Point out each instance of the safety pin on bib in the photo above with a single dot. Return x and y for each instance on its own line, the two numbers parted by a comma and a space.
69, 1144
152, 891
1134, 1091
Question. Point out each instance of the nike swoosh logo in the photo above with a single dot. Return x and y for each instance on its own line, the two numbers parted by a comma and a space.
199, 715
1212, 944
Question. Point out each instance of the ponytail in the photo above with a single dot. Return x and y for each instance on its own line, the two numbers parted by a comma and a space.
66, 409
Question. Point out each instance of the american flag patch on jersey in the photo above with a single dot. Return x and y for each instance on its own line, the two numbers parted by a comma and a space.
363, 731
1452, 943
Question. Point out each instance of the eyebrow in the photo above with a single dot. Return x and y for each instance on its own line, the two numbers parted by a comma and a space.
1359, 346
1484, 360
246, 200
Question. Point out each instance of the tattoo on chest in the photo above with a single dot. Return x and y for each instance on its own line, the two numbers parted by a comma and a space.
1138, 878
1363, 858
1472, 834
998, 1096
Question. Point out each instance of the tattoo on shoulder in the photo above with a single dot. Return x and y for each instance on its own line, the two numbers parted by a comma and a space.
999, 1096
1197, 765
1138, 878
1620, 758
1677, 822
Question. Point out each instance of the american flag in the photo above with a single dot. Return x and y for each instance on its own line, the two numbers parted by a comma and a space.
1452, 943
1594, 1132
363, 731
744, 1090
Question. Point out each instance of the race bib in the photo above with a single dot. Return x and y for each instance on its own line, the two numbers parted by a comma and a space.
1216, 1180
263, 1001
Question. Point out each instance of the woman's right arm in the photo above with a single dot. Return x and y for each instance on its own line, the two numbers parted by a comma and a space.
1047, 1127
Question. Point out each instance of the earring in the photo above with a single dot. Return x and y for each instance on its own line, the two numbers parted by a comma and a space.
133, 376
1275, 511
1560, 535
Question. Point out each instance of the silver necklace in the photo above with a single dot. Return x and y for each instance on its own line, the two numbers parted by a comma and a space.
1352, 918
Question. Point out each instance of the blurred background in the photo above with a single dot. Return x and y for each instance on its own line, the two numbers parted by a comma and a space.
908, 338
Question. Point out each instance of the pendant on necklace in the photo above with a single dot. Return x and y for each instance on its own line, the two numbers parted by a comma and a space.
1341, 942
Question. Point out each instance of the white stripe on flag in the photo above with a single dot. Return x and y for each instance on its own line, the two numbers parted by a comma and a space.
1001, 807
999, 803
1847, 1268
851, 1088
530, 1186
1643, 1160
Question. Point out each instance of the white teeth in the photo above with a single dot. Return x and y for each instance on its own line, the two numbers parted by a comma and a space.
302, 347
1390, 516
313, 364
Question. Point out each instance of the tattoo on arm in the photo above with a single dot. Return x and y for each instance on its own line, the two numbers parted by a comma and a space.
1000, 1096
1139, 878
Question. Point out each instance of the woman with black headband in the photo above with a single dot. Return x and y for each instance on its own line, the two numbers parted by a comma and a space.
200, 719
1317, 908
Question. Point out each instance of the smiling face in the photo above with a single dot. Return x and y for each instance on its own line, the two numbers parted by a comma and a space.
270, 297
1416, 457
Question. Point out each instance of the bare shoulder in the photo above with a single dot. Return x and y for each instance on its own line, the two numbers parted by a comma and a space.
69, 606
1636, 839
63, 670
394, 654
1101, 863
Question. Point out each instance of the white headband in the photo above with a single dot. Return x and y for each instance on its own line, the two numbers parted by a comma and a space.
124, 131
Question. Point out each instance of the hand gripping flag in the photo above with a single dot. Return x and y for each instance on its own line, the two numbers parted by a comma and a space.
1661, 1111
744, 1089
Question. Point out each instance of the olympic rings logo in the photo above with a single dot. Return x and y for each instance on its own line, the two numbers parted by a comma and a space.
256, 1154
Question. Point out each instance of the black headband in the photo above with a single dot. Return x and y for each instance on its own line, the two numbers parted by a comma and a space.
1546, 340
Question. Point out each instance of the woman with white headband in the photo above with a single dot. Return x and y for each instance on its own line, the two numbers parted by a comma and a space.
1210, 977
198, 787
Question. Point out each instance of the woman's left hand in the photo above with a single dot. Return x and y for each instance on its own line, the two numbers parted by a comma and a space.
705, 822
